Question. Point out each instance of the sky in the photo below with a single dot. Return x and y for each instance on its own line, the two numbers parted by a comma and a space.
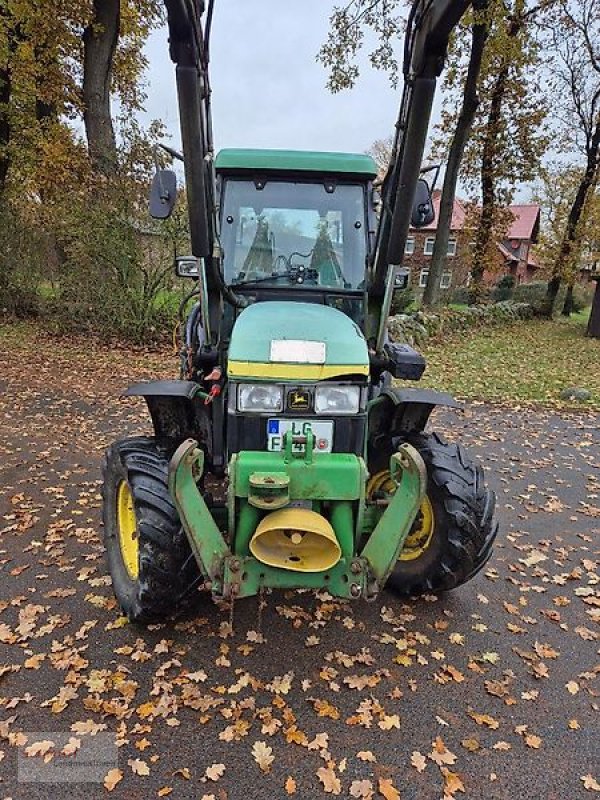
269, 91
268, 88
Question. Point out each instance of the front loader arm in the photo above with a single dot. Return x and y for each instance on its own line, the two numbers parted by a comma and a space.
430, 24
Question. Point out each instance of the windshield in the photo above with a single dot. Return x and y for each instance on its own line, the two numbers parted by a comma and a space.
294, 234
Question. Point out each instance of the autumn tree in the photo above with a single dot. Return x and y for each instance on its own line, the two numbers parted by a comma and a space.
508, 138
574, 35
349, 26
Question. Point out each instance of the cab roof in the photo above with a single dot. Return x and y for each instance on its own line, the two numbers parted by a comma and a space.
296, 161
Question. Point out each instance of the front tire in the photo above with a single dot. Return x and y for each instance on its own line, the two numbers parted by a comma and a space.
452, 537
150, 561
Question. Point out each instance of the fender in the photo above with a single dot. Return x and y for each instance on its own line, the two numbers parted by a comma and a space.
176, 411
397, 411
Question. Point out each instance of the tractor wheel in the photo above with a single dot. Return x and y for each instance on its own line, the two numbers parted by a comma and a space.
149, 558
452, 536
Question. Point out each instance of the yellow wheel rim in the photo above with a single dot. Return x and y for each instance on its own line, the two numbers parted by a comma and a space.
421, 533
127, 527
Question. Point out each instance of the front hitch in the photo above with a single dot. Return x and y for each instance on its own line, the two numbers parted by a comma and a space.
384, 545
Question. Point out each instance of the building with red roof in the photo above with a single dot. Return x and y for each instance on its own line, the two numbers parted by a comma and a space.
515, 251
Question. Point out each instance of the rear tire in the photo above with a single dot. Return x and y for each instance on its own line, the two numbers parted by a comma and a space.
153, 580
464, 527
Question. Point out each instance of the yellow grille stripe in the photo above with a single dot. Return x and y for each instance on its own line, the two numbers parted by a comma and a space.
307, 372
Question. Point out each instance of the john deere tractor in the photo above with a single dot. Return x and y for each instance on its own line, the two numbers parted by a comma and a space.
285, 456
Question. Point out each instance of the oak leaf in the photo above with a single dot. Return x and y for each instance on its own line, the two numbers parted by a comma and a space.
263, 755
418, 761
331, 782
112, 778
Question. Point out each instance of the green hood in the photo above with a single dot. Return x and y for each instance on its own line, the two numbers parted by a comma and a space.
322, 343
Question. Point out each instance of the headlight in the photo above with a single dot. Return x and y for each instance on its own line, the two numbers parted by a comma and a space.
259, 397
337, 399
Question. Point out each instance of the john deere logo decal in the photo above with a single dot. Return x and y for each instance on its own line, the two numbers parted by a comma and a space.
299, 400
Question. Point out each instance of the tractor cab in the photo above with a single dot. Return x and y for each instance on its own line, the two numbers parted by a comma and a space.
297, 226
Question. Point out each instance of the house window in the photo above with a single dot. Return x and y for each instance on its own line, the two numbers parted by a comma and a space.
409, 247
429, 242
451, 247
423, 278
446, 280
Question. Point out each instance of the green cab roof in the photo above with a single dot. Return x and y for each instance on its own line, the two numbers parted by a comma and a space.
296, 161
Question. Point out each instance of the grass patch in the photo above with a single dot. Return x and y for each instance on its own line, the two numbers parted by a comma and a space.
526, 362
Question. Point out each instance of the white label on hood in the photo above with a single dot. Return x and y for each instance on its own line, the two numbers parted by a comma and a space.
298, 351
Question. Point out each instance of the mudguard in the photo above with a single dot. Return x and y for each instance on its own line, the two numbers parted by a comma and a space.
397, 411
176, 410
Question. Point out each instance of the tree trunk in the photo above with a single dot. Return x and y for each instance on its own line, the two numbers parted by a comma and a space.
569, 240
568, 304
470, 102
488, 188
100, 40
547, 308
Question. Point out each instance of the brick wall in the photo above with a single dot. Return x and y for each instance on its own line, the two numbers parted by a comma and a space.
456, 265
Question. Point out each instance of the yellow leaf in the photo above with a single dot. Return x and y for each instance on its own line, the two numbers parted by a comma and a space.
418, 761
165, 791
325, 709
389, 721
591, 783
361, 789
214, 772
440, 753
484, 719
290, 785
112, 778
39, 748
387, 789
531, 740
331, 782
263, 755
452, 782
366, 755
572, 687
138, 767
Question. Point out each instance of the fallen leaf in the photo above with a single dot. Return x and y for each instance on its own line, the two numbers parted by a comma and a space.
263, 755
387, 789
440, 753
418, 761
290, 785
138, 767
112, 778
365, 755
361, 789
591, 783
331, 782
214, 772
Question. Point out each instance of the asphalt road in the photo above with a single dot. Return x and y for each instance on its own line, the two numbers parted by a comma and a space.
504, 670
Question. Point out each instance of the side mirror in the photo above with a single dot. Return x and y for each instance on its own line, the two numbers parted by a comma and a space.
422, 213
187, 267
163, 194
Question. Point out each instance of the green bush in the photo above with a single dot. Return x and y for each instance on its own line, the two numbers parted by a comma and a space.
416, 328
503, 289
23, 253
402, 301
535, 293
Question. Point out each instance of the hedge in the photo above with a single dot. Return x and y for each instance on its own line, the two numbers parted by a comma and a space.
419, 326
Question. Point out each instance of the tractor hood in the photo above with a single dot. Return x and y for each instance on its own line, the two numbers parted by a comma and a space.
296, 341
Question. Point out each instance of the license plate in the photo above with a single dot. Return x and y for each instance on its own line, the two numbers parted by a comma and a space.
321, 430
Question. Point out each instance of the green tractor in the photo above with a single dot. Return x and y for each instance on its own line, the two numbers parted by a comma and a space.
285, 394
